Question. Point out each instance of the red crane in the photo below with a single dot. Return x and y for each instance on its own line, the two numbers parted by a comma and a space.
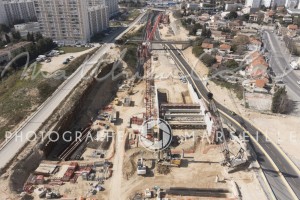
150, 111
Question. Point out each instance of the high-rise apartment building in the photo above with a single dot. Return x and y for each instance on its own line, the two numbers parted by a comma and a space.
64, 20
291, 4
112, 5
253, 3
16, 11
98, 18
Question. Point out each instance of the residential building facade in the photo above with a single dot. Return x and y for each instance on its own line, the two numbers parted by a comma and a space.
31, 27
98, 18
16, 11
113, 7
64, 20
253, 3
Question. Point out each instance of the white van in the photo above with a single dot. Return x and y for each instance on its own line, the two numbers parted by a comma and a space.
294, 65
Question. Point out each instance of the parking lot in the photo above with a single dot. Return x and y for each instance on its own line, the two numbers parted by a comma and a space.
59, 61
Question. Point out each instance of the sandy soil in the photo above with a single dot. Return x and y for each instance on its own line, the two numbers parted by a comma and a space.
57, 62
285, 133
179, 33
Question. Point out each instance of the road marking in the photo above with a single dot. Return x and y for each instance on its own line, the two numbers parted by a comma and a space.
252, 138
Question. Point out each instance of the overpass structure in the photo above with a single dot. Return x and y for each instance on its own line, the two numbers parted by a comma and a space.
184, 44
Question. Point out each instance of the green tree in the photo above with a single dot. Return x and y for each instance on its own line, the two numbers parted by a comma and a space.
197, 51
208, 60
4, 28
205, 32
280, 101
32, 51
231, 64
232, 15
16, 35
245, 17
38, 36
7, 38
30, 37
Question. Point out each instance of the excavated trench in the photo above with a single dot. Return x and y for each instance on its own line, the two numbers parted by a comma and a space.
87, 104
97, 95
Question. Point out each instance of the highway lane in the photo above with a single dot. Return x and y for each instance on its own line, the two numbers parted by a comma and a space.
277, 185
30, 126
280, 64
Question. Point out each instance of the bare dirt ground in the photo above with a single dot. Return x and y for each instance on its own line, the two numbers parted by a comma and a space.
203, 163
282, 129
286, 126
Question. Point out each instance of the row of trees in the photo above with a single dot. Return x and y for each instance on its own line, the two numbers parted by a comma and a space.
39, 45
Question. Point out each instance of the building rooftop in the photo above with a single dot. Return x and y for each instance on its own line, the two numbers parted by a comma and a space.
225, 47
255, 41
207, 46
261, 82
292, 27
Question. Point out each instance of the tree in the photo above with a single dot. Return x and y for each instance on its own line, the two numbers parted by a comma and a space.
241, 40
205, 32
197, 51
208, 60
7, 38
2, 43
32, 50
30, 37
4, 28
245, 17
16, 35
38, 36
232, 64
280, 101
232, 15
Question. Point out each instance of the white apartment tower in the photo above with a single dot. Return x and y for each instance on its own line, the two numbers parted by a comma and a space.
66, 21
112, 5
16, 11
291, 4
253, 3
98, 18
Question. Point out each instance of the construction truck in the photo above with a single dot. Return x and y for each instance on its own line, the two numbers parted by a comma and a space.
148, 193
141, 168
169, 159
116, 101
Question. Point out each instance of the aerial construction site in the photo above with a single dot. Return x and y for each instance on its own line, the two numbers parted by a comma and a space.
147, 133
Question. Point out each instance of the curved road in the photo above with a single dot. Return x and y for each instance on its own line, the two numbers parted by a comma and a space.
280, 64
279, 188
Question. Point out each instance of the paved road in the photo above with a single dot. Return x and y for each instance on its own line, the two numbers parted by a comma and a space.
31, 126
278, 186
279, 62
